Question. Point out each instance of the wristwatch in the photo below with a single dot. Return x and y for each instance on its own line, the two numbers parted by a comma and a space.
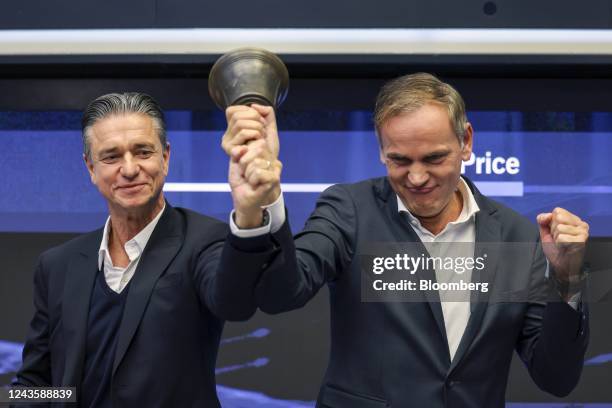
265, 219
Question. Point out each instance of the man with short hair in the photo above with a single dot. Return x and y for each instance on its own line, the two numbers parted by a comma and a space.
430, 353
131, 314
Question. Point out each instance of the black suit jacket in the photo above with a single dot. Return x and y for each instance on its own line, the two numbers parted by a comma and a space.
169, 334
395, 354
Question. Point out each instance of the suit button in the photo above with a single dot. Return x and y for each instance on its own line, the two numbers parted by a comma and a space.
264, 265
453, 383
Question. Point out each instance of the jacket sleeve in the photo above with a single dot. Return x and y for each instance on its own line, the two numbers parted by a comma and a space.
35, 369
554, 338
226, 276
316, 256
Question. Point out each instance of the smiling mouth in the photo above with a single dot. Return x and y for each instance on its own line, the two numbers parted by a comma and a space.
421, 191
131, 187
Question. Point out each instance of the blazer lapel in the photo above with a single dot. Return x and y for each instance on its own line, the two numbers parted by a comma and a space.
163, 245
488, 239
79, 282
403, 232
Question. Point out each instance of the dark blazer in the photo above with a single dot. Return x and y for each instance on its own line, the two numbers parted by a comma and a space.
395, 354
169, 335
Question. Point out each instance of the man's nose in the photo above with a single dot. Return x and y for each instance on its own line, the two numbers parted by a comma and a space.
130, 167
417, 176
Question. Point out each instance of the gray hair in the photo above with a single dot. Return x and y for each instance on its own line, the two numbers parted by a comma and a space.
408, 93
122, 103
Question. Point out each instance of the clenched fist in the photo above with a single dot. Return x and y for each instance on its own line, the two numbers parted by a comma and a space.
563, 237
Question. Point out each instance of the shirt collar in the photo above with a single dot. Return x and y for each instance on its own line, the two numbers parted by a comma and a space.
470, 206
134, 246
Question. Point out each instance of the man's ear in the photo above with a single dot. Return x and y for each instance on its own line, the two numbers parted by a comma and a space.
166, 158
468, 139
90, 168
381, 156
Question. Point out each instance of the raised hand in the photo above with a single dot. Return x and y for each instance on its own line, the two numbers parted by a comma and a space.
563, 237
248, 123
251, 141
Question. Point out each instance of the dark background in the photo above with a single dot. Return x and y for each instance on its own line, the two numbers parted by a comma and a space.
307, 14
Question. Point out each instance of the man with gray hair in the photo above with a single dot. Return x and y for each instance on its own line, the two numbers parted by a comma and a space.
131, 314
419, 349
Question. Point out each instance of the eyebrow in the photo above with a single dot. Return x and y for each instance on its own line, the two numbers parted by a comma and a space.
141, 145
436, 154
107, 151
135, 146
429, 156
397, 156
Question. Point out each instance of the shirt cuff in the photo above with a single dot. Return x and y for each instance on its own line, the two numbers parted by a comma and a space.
276, 210
250, 232
276, 218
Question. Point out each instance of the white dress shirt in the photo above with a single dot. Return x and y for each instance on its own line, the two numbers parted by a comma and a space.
462, 230
116, 277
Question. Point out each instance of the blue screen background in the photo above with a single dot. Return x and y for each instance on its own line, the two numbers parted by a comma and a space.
564, 161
